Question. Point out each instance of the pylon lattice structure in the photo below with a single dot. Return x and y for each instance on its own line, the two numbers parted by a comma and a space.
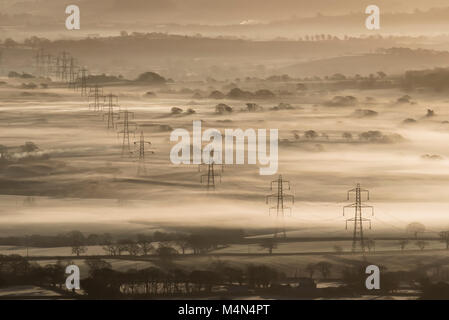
112, 102
358, 220
210, 176
57, 67
39, 61
201, 165
278, 201
64, 66
82, 81
126, 149
73, 73
96, 98
141, 168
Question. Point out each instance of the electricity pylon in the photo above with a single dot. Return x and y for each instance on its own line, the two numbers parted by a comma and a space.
82, 80
64, 60
211, 175
126, 149
57, 67
278, 200
201, 165
39, 61
210, 172
358, 220
73, 72
48, 65
111, 102
141, 168
95, 95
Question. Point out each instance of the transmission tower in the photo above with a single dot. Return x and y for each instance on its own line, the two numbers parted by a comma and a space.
126, 131
210, 176
48, 65
73, 72
82, 80
96, 95
39, 61
278, 201
112, 102
57, 67
201, 165
358, 220
64, 71
141, 169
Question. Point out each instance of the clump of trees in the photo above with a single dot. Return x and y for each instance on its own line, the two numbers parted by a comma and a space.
436, 79
375, 136
222, 108
282, 106
151, 78
23, 75
364, 113
269, 244
103, 282
253, 107
415, 228
342, 101
405, 99
217, 95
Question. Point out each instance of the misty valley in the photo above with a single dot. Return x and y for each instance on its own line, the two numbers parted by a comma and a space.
231, 151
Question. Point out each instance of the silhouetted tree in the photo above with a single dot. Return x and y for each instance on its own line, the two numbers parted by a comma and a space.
311, 268
183, 244
444, 236
403, 244
371, 244
415, 228
421, 244
78, 249
269, 244
324, 268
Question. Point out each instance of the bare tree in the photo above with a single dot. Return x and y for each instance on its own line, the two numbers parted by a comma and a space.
133, 248
311, 268
421, 244
110, 249
78, 249
403, 244
97, 264
371, 244
415, 228
183, 244
347, 135
269, 244
444, 236
310, 134
324, 268
338, 249
145, 247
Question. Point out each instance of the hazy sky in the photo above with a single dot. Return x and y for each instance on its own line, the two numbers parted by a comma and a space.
211, 11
